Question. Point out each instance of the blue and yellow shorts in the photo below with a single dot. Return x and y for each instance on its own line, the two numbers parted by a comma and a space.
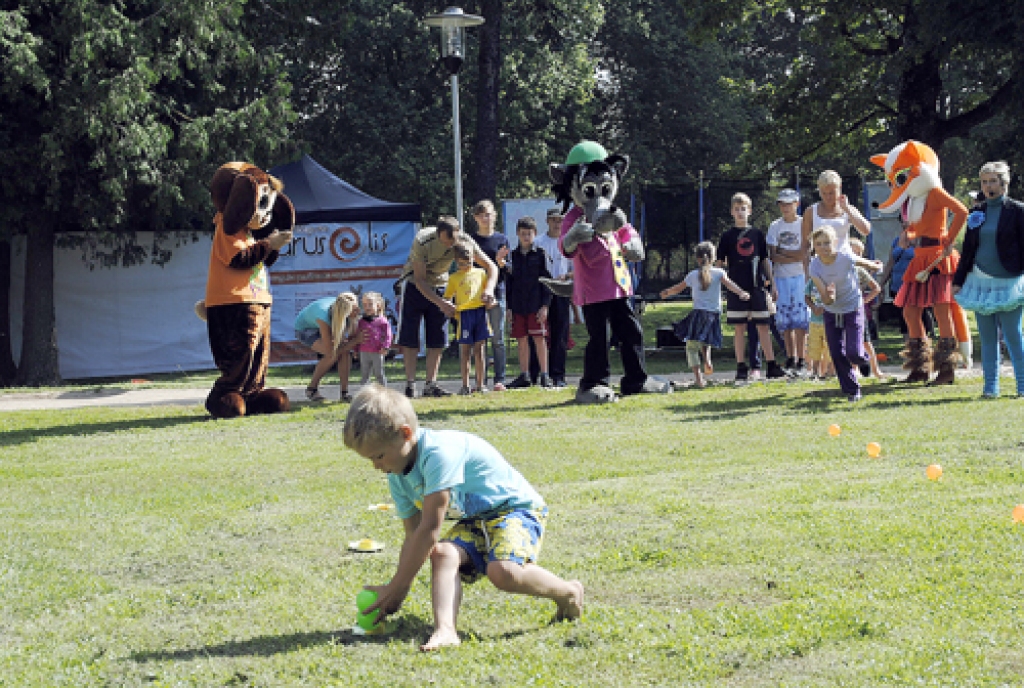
514, 535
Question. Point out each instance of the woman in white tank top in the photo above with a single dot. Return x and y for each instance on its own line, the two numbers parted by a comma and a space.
834, 211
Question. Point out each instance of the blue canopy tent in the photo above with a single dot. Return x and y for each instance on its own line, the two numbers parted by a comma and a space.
319, 196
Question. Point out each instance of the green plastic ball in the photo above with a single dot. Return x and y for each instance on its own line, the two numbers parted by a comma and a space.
363, 600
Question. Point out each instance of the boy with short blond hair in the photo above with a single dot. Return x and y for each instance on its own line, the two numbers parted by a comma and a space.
499, 534
466, 289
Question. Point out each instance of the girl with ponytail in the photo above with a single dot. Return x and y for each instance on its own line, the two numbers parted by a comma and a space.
702, 328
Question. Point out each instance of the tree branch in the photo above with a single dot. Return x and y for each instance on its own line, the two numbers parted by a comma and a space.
962, 124
804, 154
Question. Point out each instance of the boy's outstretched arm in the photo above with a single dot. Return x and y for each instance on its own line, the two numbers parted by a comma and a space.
421, 534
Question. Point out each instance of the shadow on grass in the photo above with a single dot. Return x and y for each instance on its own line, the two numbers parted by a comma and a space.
409, 629
26, 435
724, 408
440, 414
809, 402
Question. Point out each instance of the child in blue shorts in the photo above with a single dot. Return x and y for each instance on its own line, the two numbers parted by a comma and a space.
466, 290
502, 524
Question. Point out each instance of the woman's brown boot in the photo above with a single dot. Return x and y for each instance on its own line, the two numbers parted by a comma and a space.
944, 360
917, 358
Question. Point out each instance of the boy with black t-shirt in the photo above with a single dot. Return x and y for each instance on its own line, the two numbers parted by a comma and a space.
743, 251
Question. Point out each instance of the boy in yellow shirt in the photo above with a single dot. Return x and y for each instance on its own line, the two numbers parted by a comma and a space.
466, 290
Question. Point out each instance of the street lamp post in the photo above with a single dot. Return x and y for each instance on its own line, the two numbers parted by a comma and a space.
453, 23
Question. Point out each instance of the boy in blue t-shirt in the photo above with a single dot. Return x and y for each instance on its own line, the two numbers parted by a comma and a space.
502, 524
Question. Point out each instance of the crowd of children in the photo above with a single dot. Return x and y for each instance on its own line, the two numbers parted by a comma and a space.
812, 286
818, 290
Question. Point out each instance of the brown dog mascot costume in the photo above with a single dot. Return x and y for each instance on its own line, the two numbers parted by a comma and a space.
253, 222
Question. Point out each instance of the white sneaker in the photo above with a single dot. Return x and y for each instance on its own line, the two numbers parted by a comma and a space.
313, 394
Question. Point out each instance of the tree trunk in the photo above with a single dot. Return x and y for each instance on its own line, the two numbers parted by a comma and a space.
919, 89
485, 152
39, 359
7, 367
919, 116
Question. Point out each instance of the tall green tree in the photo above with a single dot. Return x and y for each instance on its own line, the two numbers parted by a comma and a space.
114, 115
875, 70
374, 101
667, 100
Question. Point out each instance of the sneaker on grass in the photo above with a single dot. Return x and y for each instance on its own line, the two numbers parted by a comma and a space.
521, 382
742, 373
432, 389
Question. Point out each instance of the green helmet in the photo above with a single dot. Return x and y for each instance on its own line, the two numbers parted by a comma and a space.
585, 152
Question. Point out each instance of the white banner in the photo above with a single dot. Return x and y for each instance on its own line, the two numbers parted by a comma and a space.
326, 259
122, 321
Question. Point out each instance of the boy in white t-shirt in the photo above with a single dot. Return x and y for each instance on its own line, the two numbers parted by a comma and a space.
788, 253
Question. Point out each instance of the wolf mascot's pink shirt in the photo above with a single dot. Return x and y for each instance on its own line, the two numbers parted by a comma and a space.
593, 275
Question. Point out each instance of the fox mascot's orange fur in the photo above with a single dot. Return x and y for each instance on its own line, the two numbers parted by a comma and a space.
912, 169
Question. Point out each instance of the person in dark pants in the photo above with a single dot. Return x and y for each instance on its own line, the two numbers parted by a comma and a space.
560, 310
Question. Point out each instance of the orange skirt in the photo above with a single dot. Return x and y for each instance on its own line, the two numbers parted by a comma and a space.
938, 288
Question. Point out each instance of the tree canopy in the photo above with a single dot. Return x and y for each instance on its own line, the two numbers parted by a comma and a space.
114, 117
845, 75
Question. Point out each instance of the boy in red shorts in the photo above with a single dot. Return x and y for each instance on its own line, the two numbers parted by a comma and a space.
528, 301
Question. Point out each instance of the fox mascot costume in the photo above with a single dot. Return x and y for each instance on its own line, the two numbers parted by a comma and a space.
912, 169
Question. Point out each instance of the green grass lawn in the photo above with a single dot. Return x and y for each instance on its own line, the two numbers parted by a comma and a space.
724, 538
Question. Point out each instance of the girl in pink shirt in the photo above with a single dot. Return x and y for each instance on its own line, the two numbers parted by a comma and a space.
376, 338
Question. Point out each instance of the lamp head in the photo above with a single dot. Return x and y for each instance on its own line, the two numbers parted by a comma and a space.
453, 22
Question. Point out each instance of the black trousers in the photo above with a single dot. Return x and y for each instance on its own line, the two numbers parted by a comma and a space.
559, 313
626, 328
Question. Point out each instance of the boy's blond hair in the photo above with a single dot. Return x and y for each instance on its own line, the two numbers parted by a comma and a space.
824, 230
857, 246
376, 417
463, 249
741, 198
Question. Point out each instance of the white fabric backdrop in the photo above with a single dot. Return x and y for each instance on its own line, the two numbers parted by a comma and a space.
122, 321
138, 320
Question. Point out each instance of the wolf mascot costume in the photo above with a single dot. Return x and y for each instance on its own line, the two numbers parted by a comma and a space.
254, 220
912, 169
599, 241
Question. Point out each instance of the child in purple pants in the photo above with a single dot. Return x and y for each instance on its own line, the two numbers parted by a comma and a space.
835, 275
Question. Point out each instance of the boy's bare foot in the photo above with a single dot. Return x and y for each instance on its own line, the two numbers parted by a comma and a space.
572, 607
441, 638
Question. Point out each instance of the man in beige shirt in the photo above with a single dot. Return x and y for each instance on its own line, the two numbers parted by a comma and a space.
423, 281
